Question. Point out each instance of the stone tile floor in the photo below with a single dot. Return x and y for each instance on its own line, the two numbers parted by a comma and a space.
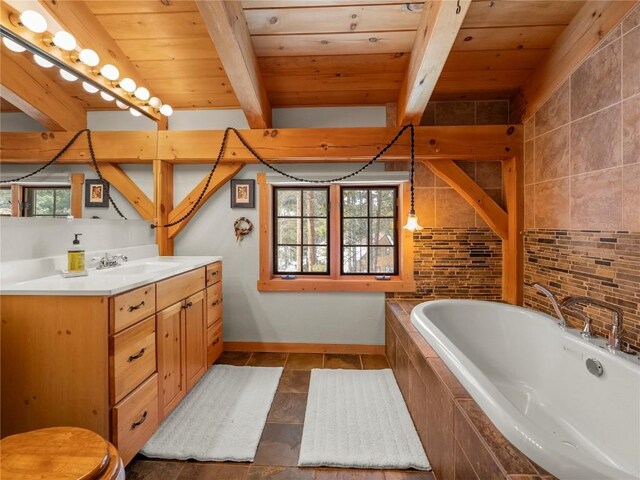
279, 446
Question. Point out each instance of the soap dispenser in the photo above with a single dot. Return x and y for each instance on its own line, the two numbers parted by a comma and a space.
75, 258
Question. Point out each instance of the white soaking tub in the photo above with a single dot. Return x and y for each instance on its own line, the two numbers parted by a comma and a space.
529, 376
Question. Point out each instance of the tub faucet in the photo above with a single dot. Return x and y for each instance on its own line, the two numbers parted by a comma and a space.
614, 340
554, 303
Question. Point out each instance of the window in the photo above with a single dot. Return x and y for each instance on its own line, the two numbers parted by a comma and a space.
47, 201
5, 202
369, 224
301, 230
334, 238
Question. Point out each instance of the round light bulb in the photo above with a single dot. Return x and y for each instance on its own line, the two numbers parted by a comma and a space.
64, 40
122, 106
33, 21
89, 57
110, 72
142, 93
69, 77
155, 102
89, 88
128, 85
13, 46
166, 110
43, 62
134, 112
412, 223
106, 97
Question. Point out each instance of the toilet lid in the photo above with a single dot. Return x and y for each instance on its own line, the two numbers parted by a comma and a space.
64, 453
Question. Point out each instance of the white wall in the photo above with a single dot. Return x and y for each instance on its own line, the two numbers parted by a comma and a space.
356, 318
18, 122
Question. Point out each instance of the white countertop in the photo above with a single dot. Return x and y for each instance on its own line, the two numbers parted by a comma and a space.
110, 281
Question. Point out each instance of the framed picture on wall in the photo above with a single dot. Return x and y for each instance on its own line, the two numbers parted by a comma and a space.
96, 194
243, 194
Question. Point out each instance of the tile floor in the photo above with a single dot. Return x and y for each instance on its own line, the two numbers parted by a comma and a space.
279, 446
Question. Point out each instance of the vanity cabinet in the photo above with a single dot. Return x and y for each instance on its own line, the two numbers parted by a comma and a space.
117, 365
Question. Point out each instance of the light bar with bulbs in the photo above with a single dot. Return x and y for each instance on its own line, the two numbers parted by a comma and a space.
24, 32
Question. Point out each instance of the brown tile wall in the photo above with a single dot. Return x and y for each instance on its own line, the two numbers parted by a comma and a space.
582, 182
457, 254
459, 439
457, 263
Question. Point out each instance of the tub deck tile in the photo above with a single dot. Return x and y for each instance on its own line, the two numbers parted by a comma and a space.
449, 380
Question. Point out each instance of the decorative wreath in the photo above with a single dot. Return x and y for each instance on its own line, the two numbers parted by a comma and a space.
242, 226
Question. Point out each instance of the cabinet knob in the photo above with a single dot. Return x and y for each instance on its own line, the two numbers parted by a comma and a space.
140, 421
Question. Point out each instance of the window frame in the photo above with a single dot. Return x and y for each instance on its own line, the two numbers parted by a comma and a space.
334, 281
274, 232
31, 209
10, 190
395, 246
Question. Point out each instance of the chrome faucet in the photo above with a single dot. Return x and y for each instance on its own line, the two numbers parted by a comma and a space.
615, 338
109, 261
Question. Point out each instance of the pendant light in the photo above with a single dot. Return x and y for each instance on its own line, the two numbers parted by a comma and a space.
412, 220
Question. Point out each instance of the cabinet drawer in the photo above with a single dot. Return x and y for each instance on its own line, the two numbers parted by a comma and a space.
214, 303
133, 357
131, 307
214, 273
214, 342
135, 419
177, 288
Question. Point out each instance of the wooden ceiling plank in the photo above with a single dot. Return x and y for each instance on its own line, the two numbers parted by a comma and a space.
469, 61
261, 4
489, 13
332, 98
193, 48
319, 83
339, 64
109, 7
76, 18
132, 26
439, 26
163, 69
593, 22
507, 38
289, 145
355, 18
26, 86
228, 29
333, 44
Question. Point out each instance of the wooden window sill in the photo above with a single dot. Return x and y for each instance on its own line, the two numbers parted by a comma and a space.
336, 285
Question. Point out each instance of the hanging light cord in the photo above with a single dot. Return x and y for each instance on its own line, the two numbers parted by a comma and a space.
60, 154
223, 146
413, 161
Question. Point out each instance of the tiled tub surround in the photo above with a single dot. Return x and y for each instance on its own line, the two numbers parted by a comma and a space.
582, 183
602, 265
460, 440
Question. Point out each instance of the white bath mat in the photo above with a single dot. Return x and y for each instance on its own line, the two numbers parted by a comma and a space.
358, 419
221, 419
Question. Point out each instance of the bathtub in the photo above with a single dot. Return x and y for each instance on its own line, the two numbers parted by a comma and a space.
529, 376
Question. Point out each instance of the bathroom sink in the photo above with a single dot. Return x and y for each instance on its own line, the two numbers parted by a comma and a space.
139, 268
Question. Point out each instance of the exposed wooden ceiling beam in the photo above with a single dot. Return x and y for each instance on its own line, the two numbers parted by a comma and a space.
437, 31
26, 86
229, 31
591, 24
76, 18
288, 145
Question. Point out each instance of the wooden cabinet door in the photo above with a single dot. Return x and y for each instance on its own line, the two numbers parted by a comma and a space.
170, 331
196, 338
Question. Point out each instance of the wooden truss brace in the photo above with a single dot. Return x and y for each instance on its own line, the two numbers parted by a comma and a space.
129, 190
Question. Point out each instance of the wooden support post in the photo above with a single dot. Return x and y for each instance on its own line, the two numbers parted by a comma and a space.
265, 221
512, 247
223, 173
17, 198
77, 182
163, 201
480, 200
129, 190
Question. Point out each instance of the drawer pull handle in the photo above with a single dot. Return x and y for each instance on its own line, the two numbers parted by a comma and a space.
139, 422
214, 273
187, 305
136, 307
215, 303
216, 341
136, 356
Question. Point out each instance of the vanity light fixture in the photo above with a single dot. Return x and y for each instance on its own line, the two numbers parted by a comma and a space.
13, 46
142, 93
33, 21
128, 85
106, 97
69, 77
89, 88
134, 112
43, 62
155, 102
121, 106
89, 57
110, 72
166, 110
412, 219
64, 41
